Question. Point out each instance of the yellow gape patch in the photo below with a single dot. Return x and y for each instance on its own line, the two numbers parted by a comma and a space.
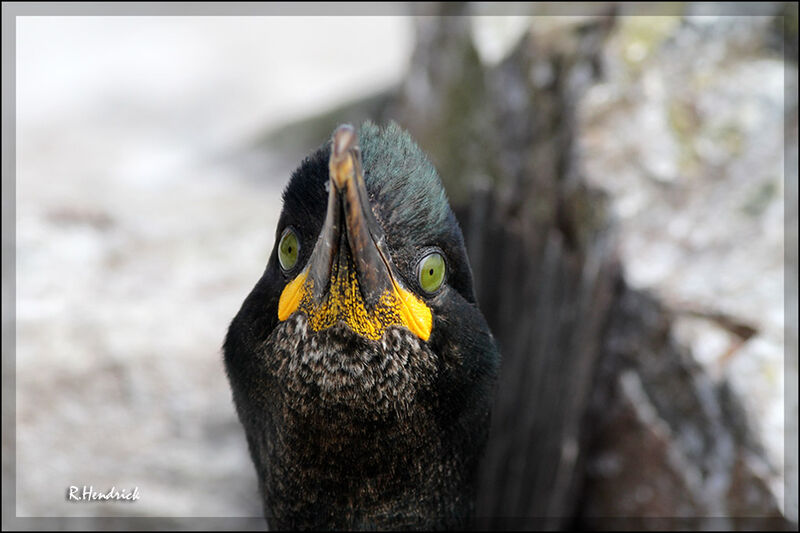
344, 302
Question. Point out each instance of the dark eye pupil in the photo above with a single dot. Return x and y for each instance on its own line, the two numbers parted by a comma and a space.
290, 249
430, 272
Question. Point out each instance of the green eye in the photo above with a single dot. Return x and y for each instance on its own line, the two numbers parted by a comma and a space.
288, 249
431, 272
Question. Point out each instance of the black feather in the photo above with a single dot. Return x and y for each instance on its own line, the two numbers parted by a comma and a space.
346, 432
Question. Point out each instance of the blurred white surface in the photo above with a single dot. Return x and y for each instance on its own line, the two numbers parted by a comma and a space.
137, 240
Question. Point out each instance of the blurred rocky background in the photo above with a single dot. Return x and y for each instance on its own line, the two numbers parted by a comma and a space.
620, 180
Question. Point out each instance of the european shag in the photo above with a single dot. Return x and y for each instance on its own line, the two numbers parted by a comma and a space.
361, 367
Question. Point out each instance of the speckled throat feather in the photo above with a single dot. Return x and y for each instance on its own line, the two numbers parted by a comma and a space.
355, 414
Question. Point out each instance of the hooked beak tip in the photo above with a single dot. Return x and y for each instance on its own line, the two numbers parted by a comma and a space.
344, 140
342, 154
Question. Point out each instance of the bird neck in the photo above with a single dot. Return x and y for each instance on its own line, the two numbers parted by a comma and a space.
346, 435
334, 468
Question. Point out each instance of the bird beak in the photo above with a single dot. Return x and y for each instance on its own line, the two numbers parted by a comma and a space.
350, 276
348, 202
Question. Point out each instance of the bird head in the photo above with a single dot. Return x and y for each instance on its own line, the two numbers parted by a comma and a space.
368, 289
378, 246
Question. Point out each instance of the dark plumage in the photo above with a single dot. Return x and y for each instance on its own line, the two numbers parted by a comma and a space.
346, 431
